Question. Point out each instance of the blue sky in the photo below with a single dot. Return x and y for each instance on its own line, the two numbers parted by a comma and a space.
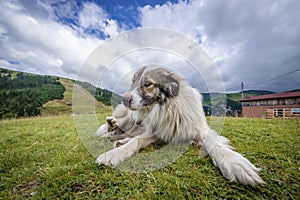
250, 41
126, 13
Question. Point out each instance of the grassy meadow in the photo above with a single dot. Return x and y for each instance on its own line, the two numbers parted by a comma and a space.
43, 158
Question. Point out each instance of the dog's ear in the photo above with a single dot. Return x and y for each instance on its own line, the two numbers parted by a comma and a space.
171, 87
166, 81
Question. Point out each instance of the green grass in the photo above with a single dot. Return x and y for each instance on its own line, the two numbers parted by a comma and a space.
43, 158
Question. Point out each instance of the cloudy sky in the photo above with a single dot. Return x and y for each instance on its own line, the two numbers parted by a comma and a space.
257, 42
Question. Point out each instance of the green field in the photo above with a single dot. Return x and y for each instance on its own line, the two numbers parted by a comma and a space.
43, 158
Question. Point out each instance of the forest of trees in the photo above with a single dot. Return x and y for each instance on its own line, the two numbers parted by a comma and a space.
23, 95
107, 97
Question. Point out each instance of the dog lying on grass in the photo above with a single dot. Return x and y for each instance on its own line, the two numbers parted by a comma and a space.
160, 105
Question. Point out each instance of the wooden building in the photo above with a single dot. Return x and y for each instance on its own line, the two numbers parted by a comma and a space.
277, 105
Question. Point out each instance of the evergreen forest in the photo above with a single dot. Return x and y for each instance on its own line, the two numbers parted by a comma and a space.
23, 95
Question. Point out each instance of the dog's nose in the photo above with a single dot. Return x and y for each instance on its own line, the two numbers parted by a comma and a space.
126, 99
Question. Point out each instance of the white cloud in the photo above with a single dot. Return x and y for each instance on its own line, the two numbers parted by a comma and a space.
112, 64
111, 28
45, 46
92, 16
248, 40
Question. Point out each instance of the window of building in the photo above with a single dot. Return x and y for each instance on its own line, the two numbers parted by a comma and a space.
295, 110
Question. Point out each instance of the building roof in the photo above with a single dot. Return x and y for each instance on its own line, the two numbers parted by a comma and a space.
273, 96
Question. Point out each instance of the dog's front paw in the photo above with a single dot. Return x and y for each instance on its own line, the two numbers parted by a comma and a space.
113, 157
113, 123
102, 130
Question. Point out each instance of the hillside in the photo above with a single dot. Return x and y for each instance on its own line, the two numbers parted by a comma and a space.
103, 95
23, 95
248, 93
232, 99
60, 106
26, 95
64, 106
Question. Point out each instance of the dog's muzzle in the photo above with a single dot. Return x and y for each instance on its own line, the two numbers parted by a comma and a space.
127, 99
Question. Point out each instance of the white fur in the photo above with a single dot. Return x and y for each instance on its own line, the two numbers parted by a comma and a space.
136, 100
102, 130
181, 119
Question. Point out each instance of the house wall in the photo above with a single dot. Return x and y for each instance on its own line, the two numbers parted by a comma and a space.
260, 111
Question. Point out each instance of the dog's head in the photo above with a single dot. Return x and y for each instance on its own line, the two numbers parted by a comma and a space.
151, 85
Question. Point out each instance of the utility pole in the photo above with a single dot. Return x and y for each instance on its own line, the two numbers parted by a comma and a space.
242, 88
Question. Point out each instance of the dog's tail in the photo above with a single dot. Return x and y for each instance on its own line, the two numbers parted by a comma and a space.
233, 165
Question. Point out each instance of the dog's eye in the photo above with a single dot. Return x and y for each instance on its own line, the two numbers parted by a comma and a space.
148, 84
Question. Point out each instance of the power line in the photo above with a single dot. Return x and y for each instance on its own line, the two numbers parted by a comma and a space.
263, 83
274, 78
266, 84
